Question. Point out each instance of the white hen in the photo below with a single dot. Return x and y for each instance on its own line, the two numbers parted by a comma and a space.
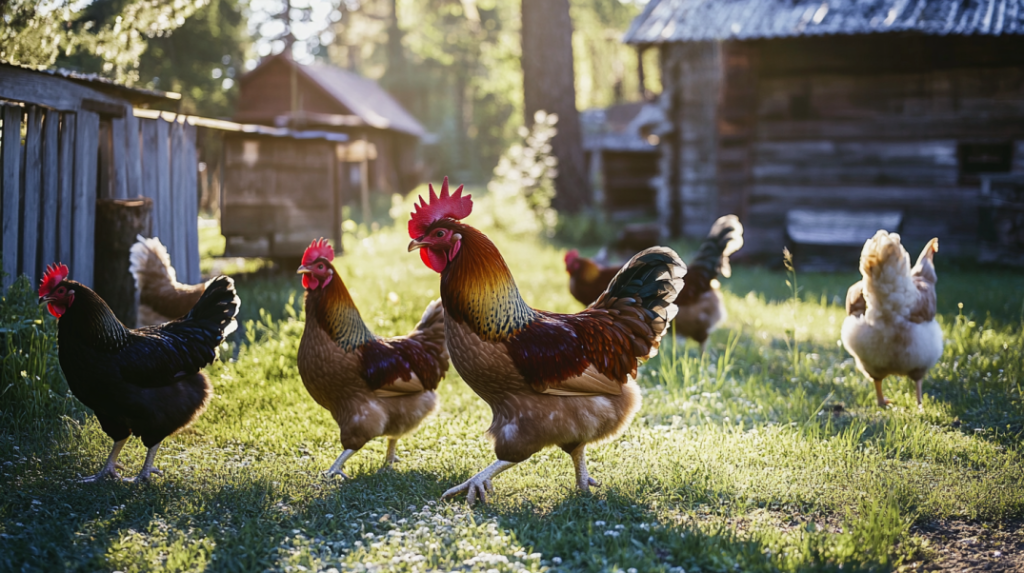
890, 328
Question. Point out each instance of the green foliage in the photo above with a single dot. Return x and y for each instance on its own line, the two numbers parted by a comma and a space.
33, 393
525, 175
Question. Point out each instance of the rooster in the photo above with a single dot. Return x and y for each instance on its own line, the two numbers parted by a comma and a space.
890, 326
161, 296
563, 380
146, 382
372, 386
701, 307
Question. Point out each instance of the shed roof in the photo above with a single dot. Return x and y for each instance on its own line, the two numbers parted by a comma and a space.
664, 21
362, 96
103, 84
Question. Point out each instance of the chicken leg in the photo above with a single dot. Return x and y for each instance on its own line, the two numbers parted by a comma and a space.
335, 469
882, 400
480, 484
390, 458
579, 462
110, 468
148, 470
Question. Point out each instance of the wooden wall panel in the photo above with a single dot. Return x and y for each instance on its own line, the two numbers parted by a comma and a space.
120, 158
191, 159
51, 173
11, 165
66, 186
83, 209
32, 190
132, 157
162, 213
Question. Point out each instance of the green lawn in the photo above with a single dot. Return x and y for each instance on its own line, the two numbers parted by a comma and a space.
768, 455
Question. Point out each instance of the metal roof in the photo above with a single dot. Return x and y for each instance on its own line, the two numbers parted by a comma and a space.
664, 21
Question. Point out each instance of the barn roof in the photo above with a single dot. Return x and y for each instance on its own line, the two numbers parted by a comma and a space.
106, 85
363, 97
664, 21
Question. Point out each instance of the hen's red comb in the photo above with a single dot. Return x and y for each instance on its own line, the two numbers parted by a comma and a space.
55, 273
571, 256
317, 249
453, 206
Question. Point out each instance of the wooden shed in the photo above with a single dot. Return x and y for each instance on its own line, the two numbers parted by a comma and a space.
803, 110
71, 142
281, 92
622, 157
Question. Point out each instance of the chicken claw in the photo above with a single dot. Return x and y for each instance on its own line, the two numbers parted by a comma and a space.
579, 462
390, 458
146, 474
335, 469
478, 485
110, 469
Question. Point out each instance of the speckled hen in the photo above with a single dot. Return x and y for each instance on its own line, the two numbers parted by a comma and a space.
372, 386
564, 380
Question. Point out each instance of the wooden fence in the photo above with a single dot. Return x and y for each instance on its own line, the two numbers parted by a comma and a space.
65, 145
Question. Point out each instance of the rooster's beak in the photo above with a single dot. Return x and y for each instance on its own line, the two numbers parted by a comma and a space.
415, 244
304, 270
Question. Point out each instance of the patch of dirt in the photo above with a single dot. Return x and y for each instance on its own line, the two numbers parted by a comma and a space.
971, 547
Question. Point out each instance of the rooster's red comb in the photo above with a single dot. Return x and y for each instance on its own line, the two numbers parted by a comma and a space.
571, 256
317, 249
55, 273
453, 206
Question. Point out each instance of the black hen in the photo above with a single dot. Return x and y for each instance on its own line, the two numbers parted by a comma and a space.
701, 308
145, 382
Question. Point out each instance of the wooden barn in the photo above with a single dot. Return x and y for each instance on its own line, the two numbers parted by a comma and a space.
281, 92
820, 122
82, 174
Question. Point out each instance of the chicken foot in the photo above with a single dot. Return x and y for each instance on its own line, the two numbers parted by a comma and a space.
148, 470
579, 462
110, 468
480, 484
335, 469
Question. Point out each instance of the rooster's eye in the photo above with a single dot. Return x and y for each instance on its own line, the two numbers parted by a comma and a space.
440, 234
320, 266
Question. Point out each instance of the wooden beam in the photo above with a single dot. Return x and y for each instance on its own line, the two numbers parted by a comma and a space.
120, 159
179, 199
48, 90
150, 173
83, 209
192, 212
51, 171
11, 151
32, 190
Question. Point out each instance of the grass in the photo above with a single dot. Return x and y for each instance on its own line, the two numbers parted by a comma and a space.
739, 460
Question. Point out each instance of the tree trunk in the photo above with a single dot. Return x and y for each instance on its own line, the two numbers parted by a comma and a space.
548, 85
118, 221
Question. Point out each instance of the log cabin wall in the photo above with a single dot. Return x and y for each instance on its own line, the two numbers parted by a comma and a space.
868, 123
687, 188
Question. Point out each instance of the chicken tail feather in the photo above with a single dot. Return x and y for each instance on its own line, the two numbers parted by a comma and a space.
650, 281
724, 239
217, 308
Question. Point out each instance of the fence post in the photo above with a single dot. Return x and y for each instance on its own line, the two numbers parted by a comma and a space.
118, 222
83, 209
32, 189
51, 169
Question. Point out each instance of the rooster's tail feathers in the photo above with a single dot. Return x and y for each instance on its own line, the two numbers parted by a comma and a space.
654, 277
724, 239
217, 307
149, 257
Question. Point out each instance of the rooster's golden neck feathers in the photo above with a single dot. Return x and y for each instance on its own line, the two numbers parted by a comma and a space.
478, 289
336, 313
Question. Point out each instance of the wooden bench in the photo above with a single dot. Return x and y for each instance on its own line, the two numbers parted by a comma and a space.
831, 239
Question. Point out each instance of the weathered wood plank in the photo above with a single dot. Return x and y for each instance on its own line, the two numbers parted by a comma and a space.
49, 90
66, 184
51, 172
31, 193
133, 157
120, 159
162, 212
83, 229
192, 202
11, 150
178, 199
150, 167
